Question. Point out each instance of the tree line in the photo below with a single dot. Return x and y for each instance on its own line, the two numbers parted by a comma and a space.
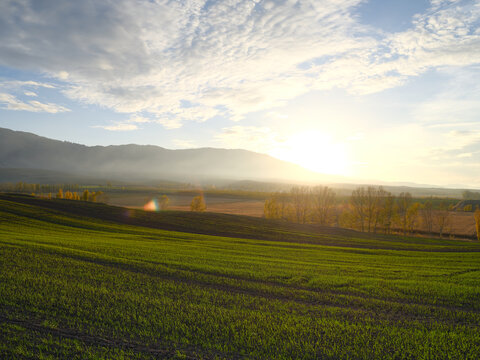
369, 209
86, 195
471, 195
24, 187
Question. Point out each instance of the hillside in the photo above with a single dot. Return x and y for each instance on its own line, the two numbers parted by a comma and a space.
75, 286
20, 150
236, 226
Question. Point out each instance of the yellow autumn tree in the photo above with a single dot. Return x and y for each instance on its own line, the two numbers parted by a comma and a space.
476, 214
271, 209
59, 194
198, 204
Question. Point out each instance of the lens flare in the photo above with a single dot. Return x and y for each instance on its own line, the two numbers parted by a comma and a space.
152, 205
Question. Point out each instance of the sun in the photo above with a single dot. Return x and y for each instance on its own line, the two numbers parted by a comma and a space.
315, 151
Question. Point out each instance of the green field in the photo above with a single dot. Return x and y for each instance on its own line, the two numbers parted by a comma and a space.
89, 281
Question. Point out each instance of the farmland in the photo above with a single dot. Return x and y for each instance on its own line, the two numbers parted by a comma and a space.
85, 280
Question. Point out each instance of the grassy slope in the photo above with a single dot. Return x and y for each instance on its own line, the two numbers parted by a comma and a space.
76, 287
60, 211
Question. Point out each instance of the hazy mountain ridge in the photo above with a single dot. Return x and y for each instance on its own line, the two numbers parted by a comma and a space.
23, 150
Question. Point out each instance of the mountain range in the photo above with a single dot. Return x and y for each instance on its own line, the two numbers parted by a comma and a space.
25, 154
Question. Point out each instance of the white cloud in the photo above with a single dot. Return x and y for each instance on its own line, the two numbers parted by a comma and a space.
17, 84
10, 102
126, 125
139, 119
255, 138
195, 59
118, 127
30, 93
154, 56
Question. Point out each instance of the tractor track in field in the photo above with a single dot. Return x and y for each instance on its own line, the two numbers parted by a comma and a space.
158, 351
281, 292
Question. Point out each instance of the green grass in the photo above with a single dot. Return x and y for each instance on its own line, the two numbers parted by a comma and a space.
86, 281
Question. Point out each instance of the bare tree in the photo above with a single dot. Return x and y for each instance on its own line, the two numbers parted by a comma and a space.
426, 214
404, 201
442, 218
387, 211
300, 197
373, 202
323, 203
358, 202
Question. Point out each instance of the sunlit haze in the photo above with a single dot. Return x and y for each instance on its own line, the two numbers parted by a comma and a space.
314, 151
387, 90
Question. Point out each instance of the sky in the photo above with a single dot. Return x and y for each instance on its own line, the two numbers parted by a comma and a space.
386, 90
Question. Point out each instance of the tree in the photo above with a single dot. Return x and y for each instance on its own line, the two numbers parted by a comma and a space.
271, 208
386, 211
163, 202
300, 196
95, 195
371, 208
471, 195
85, 195
442, 218
277, 206
198, 204
476, 214
358, 202
426, 214
374, 201
404, 201
323, 202
59, 194
412, 216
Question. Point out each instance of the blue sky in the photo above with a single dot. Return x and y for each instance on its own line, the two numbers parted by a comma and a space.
379, 89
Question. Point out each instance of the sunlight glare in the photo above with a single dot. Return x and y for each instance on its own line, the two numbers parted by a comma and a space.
315, 151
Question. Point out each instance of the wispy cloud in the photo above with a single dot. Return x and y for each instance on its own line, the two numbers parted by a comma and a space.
256, 138
19, 84
127, 124
10, 102
118, 127
225, 58
29, 93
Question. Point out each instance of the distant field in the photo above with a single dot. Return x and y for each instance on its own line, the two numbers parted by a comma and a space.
88, 281
221, 204
461, 223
